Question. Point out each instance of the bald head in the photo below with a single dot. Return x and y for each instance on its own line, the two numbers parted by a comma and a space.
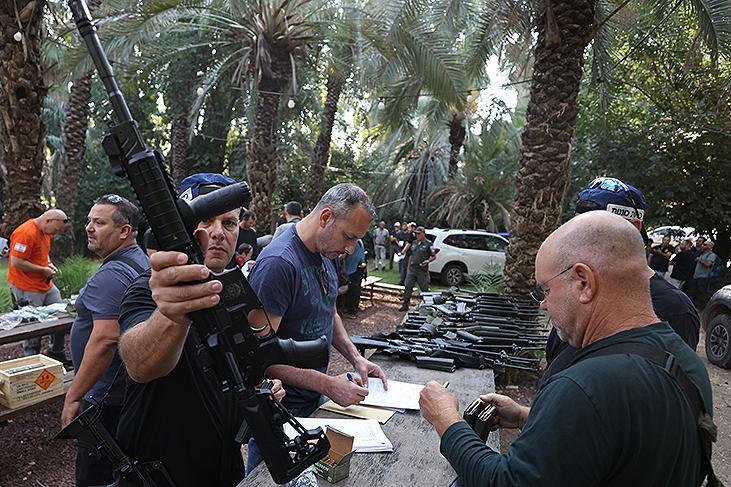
52, 221
594, 267
606, 242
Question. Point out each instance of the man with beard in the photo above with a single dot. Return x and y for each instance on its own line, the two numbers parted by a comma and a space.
296, 279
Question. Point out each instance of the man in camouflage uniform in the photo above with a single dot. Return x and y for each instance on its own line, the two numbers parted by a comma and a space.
421, 254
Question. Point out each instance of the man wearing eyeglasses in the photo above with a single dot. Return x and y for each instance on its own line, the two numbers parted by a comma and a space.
99, 380
614, 417
31, 272
296, 279
670, 303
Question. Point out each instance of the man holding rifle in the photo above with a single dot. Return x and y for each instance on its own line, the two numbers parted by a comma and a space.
174, 410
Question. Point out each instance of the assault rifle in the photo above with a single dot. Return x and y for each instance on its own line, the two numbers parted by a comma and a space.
239, 356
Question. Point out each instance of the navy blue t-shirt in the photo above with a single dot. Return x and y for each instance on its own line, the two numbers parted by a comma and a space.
301, 287
100, 299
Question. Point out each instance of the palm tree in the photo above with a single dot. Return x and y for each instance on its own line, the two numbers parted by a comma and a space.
22, 90
565, 29
481, 196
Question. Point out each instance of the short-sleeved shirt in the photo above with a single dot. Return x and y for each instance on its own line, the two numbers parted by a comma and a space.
402, 238
29, 243
301, 287
182, 419
659, 262
380, 236
421, 250
683, 265
702, 271
100, 299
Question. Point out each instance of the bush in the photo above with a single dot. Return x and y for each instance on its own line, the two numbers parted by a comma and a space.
75, 273
6, 300
489, 279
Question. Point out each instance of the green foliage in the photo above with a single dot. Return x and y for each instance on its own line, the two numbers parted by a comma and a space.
75, 273
489, 279
6, 300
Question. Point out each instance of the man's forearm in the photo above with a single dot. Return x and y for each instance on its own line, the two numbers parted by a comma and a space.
26, 266
152, 348
312, 380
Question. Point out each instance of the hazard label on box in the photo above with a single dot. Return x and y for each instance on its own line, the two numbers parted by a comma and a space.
45, 380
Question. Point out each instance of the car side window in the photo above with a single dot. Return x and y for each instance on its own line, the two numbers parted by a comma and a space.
495, 244
456, 241
474, 242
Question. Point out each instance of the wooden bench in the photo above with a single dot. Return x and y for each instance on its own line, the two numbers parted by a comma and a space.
368, 283
392, 288
7, 414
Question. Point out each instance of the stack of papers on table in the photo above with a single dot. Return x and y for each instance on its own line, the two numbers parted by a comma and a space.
400, 395
367, 433
356, 410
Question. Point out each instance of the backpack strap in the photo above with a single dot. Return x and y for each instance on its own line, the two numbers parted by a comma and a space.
707, 430
125, 260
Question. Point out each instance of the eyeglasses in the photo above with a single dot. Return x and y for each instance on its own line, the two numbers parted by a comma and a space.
539, 293
324, 280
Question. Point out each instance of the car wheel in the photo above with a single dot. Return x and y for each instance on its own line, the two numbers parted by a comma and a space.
718, 341
452, 275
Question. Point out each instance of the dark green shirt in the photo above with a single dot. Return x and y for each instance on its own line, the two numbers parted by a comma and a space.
615, 420
421, 250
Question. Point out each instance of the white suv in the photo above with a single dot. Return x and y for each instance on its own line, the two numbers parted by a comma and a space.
462, 252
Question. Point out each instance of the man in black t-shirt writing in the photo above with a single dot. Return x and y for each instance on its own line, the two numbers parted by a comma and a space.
174, 410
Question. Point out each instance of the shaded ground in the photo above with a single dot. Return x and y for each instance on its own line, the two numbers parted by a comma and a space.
29, 457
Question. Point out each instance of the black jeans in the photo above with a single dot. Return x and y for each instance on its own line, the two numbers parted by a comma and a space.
352, 297
92, 469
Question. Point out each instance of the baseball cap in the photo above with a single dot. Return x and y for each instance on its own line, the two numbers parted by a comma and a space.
202, 183
419, 230
612, 195
397, 224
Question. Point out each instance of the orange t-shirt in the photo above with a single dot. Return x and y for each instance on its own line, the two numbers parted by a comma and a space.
29, 243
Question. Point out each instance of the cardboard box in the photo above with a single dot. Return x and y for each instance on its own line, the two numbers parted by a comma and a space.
336, 465
29, 380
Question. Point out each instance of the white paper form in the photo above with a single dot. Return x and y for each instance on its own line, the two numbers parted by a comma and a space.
400, 395
367, 433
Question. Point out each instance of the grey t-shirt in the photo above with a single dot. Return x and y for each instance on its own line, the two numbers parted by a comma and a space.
380, 236
702, 271
100, 300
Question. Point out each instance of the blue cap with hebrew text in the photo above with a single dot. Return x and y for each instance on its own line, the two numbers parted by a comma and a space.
202, 183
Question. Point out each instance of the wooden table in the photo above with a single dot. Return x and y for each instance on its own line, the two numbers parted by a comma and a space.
415, 460
368, 284
30, 330
35, 329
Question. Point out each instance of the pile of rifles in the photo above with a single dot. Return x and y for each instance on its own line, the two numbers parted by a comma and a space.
458, 328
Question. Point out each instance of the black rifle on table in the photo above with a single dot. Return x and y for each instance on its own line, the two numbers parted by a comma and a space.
239, 356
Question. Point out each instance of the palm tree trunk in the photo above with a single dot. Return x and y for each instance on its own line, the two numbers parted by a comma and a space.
321, 154
179, 129
543, 171
262, 155
22, 91
207, 150
457, 134
73, 141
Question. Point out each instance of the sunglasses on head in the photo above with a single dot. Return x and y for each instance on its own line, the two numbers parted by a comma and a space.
65, 220
615, 186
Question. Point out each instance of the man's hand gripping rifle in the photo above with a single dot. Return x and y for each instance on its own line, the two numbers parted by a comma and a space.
239, 356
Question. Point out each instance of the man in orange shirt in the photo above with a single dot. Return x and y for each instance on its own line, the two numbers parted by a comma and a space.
30, 272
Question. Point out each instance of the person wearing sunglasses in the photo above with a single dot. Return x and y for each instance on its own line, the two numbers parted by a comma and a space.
31, 272
670, 303
296, 279
615, 417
